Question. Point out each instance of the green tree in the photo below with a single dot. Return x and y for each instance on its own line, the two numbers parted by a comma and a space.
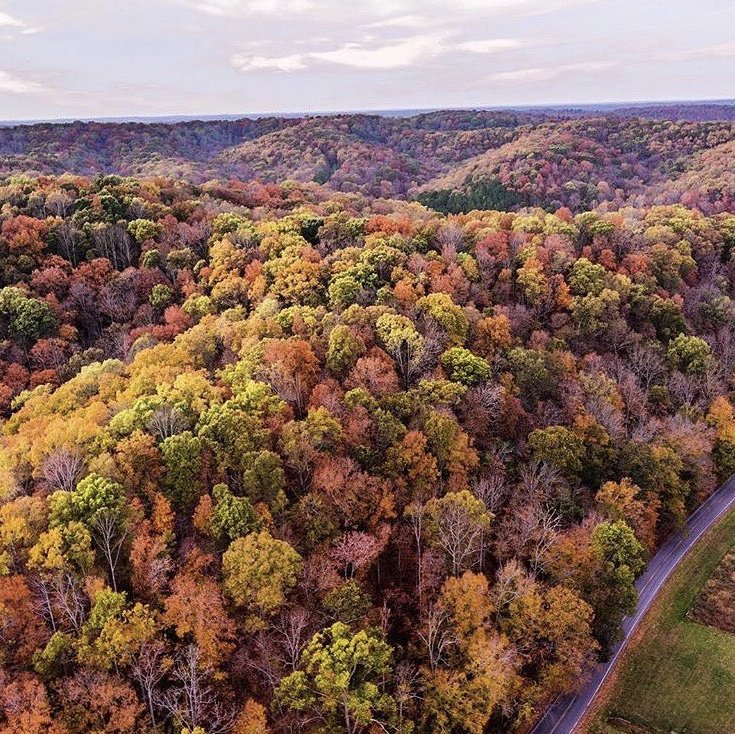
594, 313
182, 456
666, 316
616, 544
66, 547
264, 479
558, 446
92, 496
345, 348
28, 317
340, 679
347, 602
402, 341
343, 291
689, 354
114, 632
586, 278
532, 373
232, 433
161, 296
233, 516
258, 572
614, 594
50, 662
301, 441
144, 229
447, 314
464, 366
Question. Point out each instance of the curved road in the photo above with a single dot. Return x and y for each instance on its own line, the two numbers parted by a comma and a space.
566, 713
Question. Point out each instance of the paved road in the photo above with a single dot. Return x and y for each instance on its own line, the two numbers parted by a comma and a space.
565, 714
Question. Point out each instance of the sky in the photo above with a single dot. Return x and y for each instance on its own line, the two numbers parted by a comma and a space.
118, 58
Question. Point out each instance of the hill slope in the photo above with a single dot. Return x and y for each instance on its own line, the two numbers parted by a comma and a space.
547, 159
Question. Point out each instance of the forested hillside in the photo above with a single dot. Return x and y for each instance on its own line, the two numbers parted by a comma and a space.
453, 160
287, 457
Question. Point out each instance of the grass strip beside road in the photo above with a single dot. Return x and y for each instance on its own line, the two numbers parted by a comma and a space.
676, 675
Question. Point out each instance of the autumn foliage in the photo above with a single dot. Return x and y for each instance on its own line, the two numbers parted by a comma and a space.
279, 459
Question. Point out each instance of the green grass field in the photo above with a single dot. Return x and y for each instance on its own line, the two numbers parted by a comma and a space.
678, 675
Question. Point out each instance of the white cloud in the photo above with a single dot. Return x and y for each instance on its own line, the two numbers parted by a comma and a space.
388, 13
293, 62
527, 7
546, 73
400, 54
8, 21
491, 45
404, 21
13, 84
403, 53
233, 8
715, 51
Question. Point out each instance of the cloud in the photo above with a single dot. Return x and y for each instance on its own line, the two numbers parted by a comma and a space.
546, 73
387, 13
715, 51
230, 8
13, 84
491, 45
293, 62
400, 54
404, 21
8, 21
403, 53
525, 7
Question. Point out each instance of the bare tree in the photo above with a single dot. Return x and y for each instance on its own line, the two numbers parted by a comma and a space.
356, 549
58, 204
539, 481
547, 526
527, 532
277, 651
451, 238
68, 600
166, 422
406, 680
62, 468
511, 582
457, 529
192, 701
437, 636
67, 239
290, 385
723, 347
647, 364
113, 242
147, 671
416, 514
686, 390
43, 603
109, 533
493, 490
293, 628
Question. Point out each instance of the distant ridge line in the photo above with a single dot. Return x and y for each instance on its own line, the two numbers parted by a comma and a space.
570, 109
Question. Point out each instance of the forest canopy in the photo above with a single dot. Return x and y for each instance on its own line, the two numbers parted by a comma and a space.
279, 457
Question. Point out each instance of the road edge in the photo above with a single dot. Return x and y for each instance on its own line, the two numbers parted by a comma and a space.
606, 688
